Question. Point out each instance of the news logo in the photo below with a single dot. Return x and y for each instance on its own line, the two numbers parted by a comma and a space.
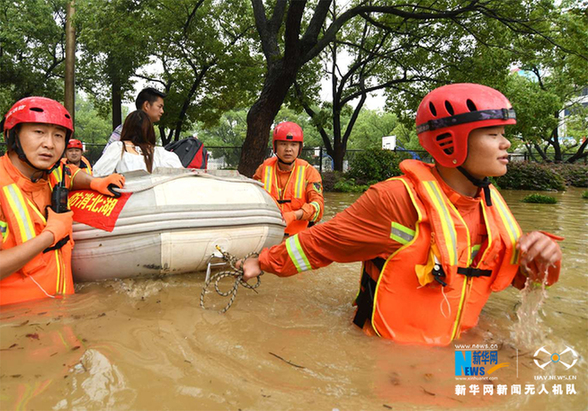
477, 363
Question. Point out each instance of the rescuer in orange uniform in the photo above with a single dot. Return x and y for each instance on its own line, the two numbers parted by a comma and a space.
35, 251
436, 241
293, 183
73, 155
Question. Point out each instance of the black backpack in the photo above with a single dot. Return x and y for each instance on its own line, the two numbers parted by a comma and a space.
191, 152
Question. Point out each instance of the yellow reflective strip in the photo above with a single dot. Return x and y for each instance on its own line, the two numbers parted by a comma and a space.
448, 228
474, 252
18, 206
513, 229
297, 254
36, 210
489, 233
317, 208
299, 183
467, 230
267, 181
460, 308
58, 279
400, 233
71, 180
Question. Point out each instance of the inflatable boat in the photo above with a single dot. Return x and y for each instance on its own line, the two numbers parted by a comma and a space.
170, 222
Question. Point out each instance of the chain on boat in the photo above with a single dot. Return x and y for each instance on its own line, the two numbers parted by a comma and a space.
237, 273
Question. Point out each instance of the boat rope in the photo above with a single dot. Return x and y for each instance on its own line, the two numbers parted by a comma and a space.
190, 173
237, 273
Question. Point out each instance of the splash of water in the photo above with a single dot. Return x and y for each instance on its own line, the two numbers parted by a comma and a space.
530, 330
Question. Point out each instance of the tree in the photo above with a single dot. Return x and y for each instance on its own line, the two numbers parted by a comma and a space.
207, 65
305, 35
32, 50
113, 44
555, 72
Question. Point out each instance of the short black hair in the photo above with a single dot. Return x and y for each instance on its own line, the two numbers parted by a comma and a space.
149, 94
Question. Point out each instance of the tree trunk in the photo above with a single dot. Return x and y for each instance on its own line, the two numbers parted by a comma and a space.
338, 156
262, 114
116, 103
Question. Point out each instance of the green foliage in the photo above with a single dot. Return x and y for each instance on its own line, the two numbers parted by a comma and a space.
349, 186
575, 175
540, 199
112, 37
89, 126
375, 165
585, 194
531, 176
32, 50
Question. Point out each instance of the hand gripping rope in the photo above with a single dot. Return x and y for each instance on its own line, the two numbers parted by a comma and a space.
235, 272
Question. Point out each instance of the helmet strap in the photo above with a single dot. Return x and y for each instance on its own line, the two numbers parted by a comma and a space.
484, 184
283, 162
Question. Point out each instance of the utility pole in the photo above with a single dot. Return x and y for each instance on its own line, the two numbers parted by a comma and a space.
70, 56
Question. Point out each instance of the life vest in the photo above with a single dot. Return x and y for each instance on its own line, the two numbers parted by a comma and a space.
47, 274
293, 196
435, 285
84, 164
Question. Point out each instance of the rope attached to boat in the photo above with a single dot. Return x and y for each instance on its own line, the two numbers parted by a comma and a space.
237, 273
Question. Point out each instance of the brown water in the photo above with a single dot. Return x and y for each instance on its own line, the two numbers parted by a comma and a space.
147, 344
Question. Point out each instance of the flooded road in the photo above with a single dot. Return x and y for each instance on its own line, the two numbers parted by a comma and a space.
147, 344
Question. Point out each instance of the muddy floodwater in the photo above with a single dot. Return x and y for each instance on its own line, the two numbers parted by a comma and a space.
146, 344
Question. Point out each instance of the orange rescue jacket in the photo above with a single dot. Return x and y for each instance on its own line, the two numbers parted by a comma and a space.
436, 284
87, 167
293, 196
47, 274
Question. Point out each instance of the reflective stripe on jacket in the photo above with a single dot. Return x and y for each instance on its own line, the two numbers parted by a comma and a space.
47, 273
411, 304
293, 196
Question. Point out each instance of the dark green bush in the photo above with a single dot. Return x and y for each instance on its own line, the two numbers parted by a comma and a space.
375, 165
585, 194
349, 186
575, 175
531, 176
539, 198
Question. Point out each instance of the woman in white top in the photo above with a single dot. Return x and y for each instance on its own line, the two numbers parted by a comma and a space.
136, 149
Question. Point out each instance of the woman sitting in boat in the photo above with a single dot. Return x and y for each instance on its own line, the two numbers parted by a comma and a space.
136, 150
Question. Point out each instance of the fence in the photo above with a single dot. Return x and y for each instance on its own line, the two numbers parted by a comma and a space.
228, 157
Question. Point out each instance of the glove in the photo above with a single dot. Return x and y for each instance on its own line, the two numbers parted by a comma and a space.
289, 217
101, 184
58, 224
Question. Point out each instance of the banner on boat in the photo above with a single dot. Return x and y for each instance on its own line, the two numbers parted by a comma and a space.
95, 209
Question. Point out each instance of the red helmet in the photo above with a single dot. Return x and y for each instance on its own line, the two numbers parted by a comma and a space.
287, 131
38, 110
73, 143
448, 114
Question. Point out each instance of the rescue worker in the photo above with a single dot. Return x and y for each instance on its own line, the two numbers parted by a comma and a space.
295, 184
73, 155
436, 241
35, 252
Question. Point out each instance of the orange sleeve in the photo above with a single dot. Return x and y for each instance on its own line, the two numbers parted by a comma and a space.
258, 172
73, 170
359, 233
315, 202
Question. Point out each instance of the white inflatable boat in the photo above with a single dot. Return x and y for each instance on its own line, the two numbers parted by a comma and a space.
172, 223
